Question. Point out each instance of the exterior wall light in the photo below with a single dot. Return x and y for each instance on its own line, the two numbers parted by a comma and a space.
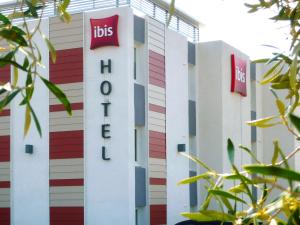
29, 149
181, 147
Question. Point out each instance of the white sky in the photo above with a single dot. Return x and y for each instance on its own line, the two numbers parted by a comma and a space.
228, 20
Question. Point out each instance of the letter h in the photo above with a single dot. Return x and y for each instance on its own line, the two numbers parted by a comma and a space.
108, 66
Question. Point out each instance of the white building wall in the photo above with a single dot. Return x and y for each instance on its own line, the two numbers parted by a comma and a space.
109, 185
30, 173
221, 114
177, 125
266, 106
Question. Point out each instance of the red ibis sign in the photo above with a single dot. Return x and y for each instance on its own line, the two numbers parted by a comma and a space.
238, 75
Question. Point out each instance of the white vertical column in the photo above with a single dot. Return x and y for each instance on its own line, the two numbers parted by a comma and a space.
177, 129
30, 172
109, 185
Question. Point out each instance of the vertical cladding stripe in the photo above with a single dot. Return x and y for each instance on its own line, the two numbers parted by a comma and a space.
5, 151
66, 143
156, 116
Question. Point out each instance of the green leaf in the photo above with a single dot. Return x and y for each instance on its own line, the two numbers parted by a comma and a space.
275, 154
198, 161
8, 99
51, 48
226, 195
238, 189
59, 95
270, 71
65, 4
171, 11
15, 76
260, 61
295, 121
14, 36
250, 153
269, 79
281, 85
230, 151
209, 215
4, 19
263, 123
237, 177
195, 178
273, 171
228, 205
280, 107
27, 120
36, 121
293, 73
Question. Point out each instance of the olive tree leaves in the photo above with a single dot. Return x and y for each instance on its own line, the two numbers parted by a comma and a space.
22, 53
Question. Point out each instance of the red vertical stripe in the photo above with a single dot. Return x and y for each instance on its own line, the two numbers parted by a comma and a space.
4, 216
157, 140
66, 216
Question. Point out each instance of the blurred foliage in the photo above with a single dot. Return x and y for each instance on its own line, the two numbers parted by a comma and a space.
20, 51
232, 192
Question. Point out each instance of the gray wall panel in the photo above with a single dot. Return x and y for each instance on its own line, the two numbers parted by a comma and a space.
139, 105
192, 118
139, 29
140, 187
253, 71
193, 191
191, 53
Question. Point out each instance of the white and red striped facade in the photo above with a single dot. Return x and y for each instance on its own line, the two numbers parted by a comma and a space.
67, 180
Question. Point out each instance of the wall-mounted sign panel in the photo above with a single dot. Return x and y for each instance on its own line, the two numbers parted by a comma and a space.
104, 32
238, 75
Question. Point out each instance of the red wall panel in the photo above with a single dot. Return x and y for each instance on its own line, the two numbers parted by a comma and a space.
158, 214
4, 216
66, 182
158, 181
4, 74
66, 216
66, 144
58, 108
68, 67
4, 148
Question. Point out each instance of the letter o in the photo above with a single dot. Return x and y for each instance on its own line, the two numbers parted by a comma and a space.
105, 88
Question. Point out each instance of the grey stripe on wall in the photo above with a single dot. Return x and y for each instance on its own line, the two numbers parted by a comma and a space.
140, 187
139, 105
193, 191
139, 29
192, 118
253, 71
191, 53
253, 129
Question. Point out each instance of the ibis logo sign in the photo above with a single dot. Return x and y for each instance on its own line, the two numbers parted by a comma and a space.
238, 75
104, 32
